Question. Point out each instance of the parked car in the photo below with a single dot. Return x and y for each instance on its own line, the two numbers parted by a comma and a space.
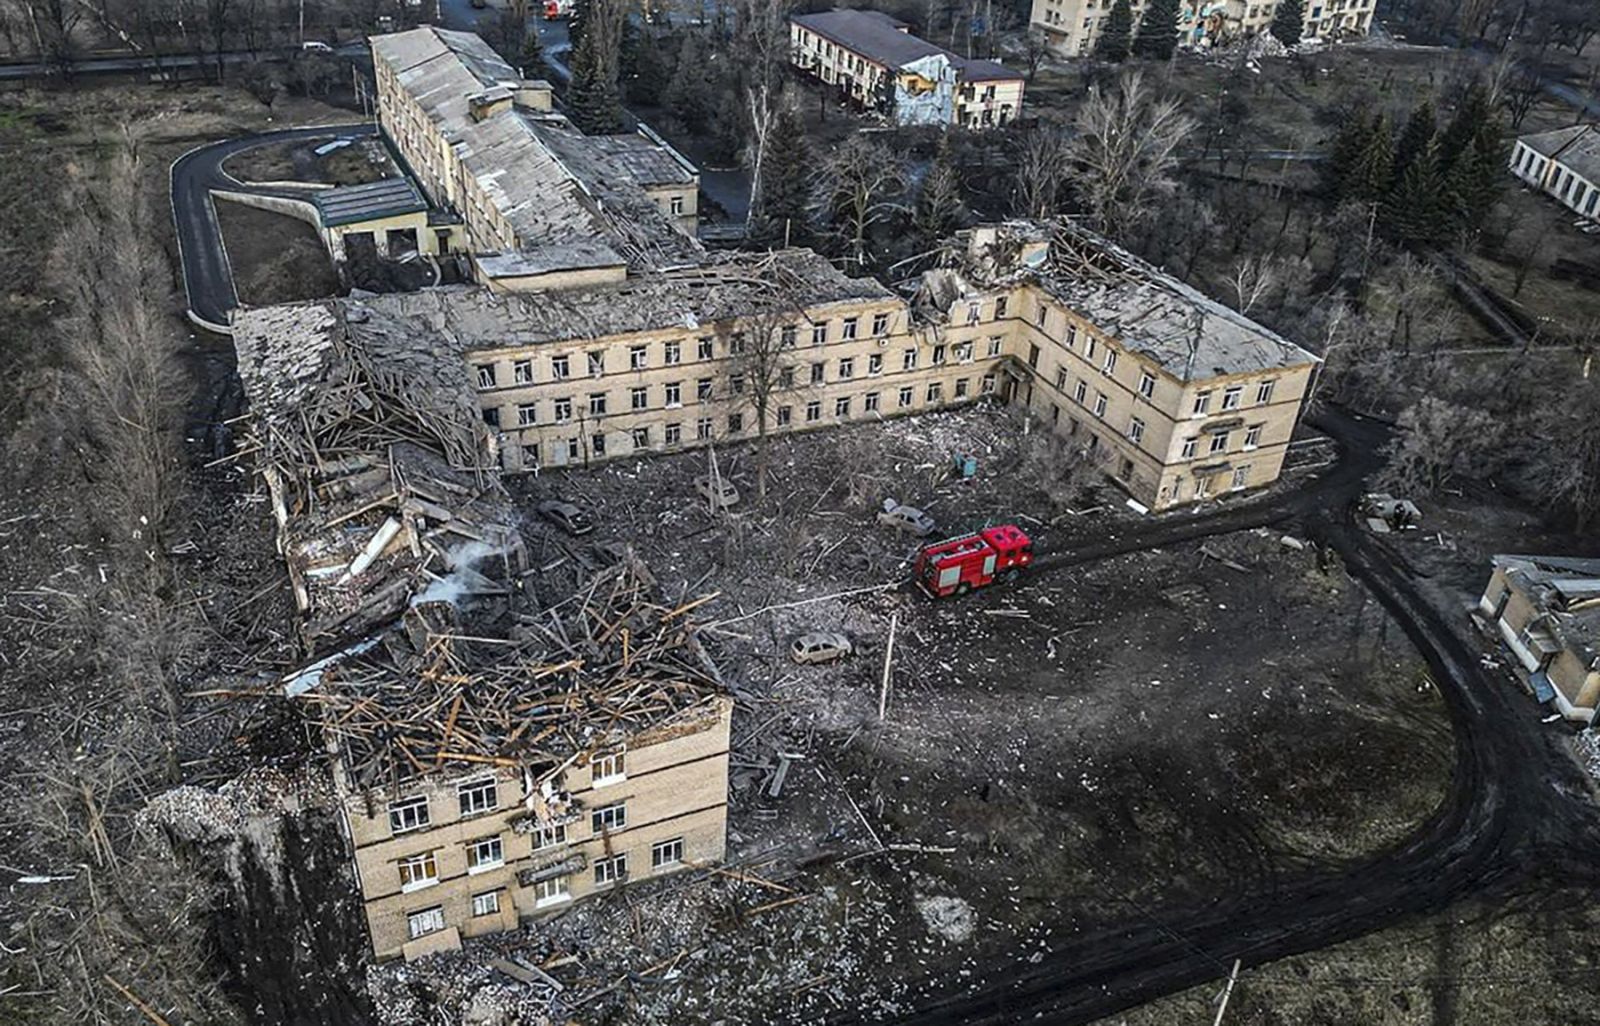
909, 519
316, 46
820, 647
566, 516
727, 494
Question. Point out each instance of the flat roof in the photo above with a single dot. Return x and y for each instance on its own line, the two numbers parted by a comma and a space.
372, 201
884, 40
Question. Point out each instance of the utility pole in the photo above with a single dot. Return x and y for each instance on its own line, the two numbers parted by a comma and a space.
1227, 993
888, 659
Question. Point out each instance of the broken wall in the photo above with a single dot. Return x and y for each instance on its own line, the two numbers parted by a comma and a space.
925, 91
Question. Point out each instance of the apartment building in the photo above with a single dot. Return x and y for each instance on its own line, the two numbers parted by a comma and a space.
1180, 398
519, 179
446, 856
870, 57
1564, 164
1545, 610
1072, 27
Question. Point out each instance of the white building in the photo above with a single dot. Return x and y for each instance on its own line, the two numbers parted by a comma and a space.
1564, 163
1071, 27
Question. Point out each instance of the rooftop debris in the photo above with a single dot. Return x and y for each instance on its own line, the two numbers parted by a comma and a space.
604, 663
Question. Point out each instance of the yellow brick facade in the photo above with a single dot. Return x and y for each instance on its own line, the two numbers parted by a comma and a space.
672, 790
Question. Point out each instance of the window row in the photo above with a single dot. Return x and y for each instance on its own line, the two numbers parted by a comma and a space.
592, 362
1220, 441
644, 436
422, 870
473, 797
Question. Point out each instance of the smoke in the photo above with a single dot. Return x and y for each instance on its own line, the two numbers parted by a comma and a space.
462, 580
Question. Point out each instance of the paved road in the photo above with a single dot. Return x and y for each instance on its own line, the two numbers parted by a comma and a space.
1511, 807
207, 278
166, 62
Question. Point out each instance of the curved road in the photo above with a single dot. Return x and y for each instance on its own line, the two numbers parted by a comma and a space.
1514, 805
207, 277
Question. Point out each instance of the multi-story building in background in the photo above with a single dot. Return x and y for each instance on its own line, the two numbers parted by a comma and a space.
875, 60
1072, 27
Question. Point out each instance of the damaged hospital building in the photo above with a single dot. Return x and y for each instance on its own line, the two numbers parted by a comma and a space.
510, 732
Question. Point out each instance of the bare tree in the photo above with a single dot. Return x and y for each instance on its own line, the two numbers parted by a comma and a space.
1124, 151
1041, 171
1440, 442
857, 186
1253, 279
762, 370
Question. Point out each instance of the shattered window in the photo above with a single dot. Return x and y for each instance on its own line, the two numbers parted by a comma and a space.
907, 396
666, 853
935, 391
408, 814
1202, 403
702, 428
702, 389
597, 362
875, 363
527, 415
995, 342
938, 354
522, 372
429, 920
561, 367
674, 434
974, 312
1231, 397
841, 406
818, 373
563, 409
1252, 436
706, 348
477, 796
813, 411
485, 854
611, 870
1033, 357
988, 383
641, 438
962, 387
819, 333
964, 352
847, 367
1080, 391
1061, 378
1219, 441
869, 402
1147, 384
880, 324
597, 404
1111, 362
1136, 429
785, 414
1188, 448
735, 423
548, 892
672, 352
1000, 306
1264, 391
908, 360
786, 377
639, 397
597, 444
786, 339
637, 357
491, 416
485, 375
674, 393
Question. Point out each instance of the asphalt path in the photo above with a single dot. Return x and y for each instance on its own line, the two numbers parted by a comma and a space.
1513, 803
207, 276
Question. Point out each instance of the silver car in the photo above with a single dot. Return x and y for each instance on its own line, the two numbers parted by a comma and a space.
726, 494
908, 519
820, 647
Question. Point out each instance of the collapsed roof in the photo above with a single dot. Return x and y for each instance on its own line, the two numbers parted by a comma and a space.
1565, 592
1148, 311
545, 199
728, 285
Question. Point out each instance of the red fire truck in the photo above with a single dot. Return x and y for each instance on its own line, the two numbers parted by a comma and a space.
957, 565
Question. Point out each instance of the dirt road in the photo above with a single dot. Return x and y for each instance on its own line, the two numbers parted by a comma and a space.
1514, 804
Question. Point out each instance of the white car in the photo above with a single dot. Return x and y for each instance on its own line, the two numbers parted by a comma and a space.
726, 494
909, 519
820, 647
315, 46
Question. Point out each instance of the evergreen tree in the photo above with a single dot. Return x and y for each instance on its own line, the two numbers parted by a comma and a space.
593, 100
1370, 178
689, 95
1419, 209
1158, 31
1288, 22
1348, 146
938, 210
785, 198
533, 65
577, 21
1116, 33
1473, 182
1471, 116
1419, 132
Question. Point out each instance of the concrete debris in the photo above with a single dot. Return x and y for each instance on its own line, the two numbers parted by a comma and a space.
948, 917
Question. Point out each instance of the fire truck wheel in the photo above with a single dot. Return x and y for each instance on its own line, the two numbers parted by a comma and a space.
963, 588
1010, 576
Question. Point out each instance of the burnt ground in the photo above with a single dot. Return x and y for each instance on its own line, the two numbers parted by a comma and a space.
1074, 751
362, 161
